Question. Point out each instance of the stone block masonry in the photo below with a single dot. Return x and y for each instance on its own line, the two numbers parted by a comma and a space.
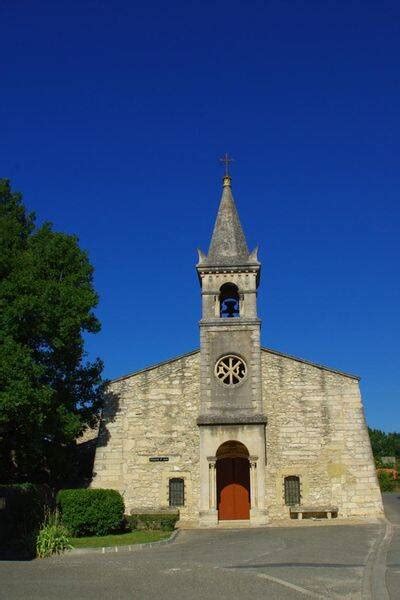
152, 414
316, 430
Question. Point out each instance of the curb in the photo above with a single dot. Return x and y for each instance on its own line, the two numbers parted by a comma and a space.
374, 581
379, 589
124, 548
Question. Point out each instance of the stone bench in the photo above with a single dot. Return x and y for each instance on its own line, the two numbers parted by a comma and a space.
300, 510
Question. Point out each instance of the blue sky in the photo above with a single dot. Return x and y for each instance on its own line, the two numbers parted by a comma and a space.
114, 114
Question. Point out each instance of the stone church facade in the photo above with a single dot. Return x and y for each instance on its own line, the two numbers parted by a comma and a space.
235, 431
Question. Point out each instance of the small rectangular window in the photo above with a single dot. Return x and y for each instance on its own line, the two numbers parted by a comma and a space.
176, 492
292, 490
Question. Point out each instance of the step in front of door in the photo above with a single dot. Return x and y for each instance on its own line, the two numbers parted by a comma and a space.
234, 523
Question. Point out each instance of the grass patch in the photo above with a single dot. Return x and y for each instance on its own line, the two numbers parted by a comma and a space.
119, 539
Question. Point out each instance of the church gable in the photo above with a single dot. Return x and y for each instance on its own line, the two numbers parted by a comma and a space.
280, 360
155, 392
150, 414
316, 432
170, 363
309, 407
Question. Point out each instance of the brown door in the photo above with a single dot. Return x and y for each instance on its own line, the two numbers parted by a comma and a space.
233, 488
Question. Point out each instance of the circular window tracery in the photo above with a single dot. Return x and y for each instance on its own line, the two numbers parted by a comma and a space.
230, 369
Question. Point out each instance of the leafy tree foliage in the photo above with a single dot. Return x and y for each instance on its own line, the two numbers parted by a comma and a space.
386, 481
384, 444
49, 392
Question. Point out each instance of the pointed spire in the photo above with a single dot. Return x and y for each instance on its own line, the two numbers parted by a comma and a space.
228, 244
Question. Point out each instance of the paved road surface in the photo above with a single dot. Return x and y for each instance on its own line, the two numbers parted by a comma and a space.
328, 561
392, 510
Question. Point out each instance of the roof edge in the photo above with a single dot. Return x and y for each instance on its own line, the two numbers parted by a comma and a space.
312, 364
155, 366
263, 348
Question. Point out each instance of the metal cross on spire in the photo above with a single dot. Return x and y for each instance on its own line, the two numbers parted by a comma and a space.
226, 159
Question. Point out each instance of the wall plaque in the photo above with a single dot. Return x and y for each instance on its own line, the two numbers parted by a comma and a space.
159, 459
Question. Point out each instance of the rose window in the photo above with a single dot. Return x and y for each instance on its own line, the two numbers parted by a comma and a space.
230, 369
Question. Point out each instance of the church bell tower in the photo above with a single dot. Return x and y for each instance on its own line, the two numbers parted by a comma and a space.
231, 418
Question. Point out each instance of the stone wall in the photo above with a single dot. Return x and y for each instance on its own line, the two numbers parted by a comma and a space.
316, 430
151, 414
230, 403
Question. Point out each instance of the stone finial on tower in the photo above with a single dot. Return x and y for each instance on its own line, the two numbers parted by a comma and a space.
228, 245
226, 181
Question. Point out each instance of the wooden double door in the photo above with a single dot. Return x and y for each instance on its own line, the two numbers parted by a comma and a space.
233, 488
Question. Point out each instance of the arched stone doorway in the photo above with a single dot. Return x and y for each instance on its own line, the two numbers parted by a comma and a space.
233, 481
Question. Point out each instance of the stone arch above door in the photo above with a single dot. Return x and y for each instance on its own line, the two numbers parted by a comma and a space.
232, 449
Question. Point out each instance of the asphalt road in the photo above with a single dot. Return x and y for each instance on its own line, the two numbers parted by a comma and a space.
307, 561
392, 510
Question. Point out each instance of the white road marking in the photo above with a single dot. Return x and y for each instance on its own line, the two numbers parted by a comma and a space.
291, 586
175, 570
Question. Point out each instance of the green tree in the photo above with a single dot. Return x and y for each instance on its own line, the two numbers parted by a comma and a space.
49, 392
384, 444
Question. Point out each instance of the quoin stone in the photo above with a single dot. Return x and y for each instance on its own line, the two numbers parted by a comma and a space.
235, 431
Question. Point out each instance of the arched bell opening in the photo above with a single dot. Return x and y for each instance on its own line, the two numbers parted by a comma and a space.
229, 301
233, 481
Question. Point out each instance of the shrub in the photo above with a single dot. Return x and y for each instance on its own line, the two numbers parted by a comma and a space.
52, 537
163, 521
91, 511
25, 506
386, 481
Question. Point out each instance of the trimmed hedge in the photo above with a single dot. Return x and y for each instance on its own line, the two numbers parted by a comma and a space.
91, 511
163, 521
